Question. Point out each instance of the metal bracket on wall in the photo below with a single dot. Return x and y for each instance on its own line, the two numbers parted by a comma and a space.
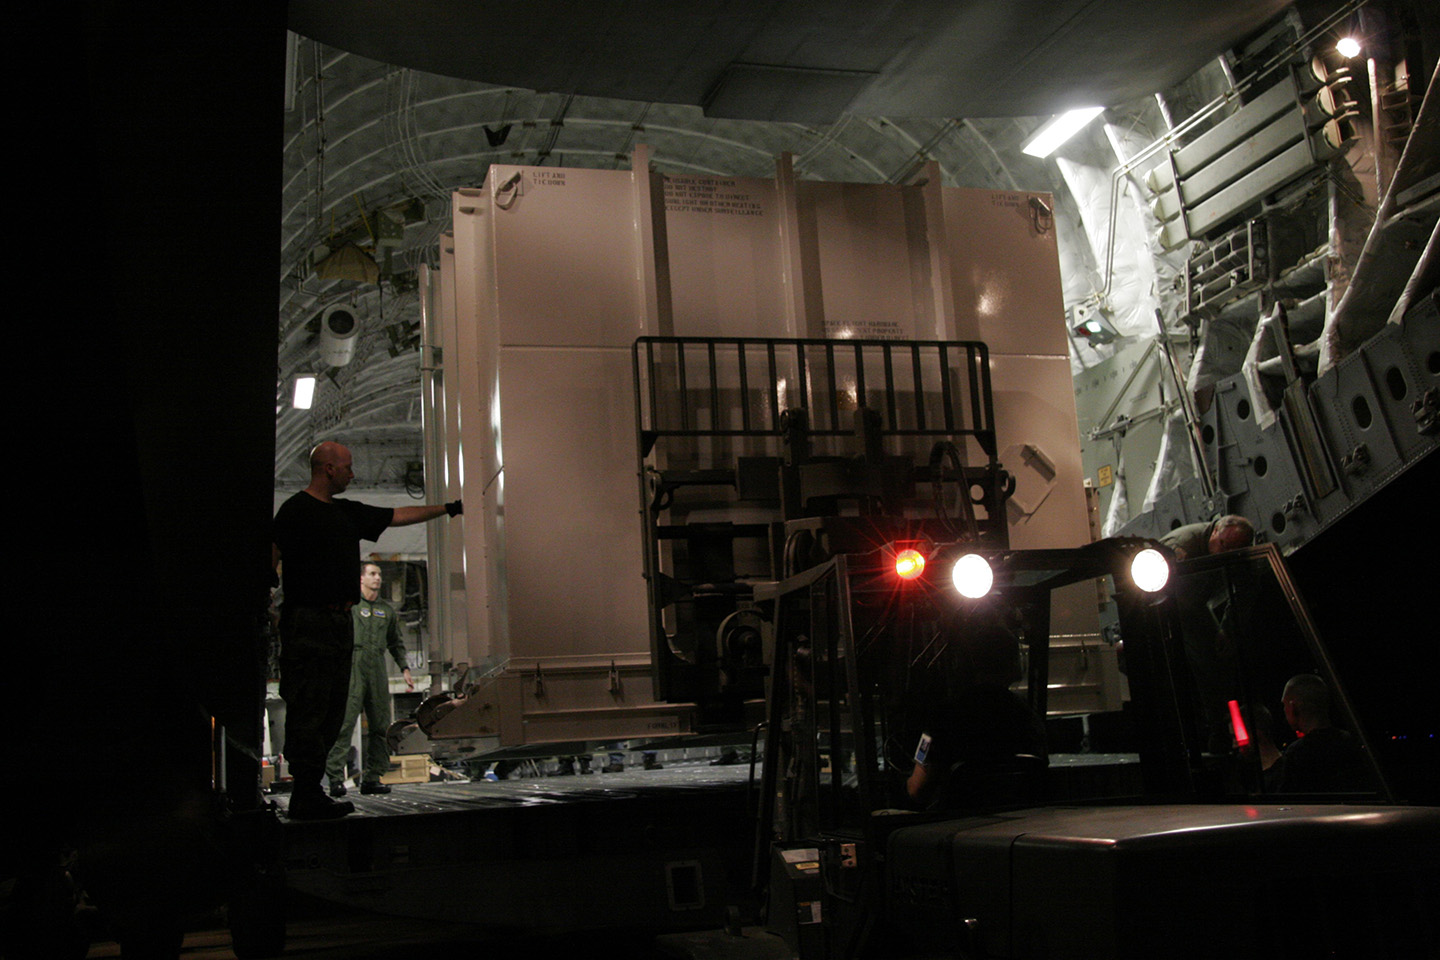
1357, 461
1427, 411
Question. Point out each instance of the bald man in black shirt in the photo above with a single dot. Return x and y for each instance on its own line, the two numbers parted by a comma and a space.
317, 535
1323, 758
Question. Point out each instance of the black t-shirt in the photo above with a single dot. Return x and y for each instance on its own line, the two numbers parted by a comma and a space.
977, 734
320, 547
983, 724
1328, 759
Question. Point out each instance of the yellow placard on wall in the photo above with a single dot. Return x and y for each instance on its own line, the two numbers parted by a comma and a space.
1105, 476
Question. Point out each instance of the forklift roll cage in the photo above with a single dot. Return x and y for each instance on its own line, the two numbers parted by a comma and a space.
829, 782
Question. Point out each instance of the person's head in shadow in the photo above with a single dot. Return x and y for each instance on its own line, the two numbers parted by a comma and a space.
987, 658
1323, 758
1230, 532
1306, 700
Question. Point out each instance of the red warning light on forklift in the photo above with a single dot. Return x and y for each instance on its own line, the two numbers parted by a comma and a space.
909, 564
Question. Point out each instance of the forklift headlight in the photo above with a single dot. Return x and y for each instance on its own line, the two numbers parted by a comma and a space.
909, 564
972, 576
1149, 570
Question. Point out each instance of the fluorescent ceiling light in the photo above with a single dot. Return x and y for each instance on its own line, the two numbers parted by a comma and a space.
1058, 130
304, 392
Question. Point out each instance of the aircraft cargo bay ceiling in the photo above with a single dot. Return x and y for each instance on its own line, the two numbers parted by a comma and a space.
804, 61
391, 107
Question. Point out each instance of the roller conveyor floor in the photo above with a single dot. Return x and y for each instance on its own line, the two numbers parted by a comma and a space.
459, 796
660, 849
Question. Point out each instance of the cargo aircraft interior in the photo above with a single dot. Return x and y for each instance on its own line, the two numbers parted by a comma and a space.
923, 479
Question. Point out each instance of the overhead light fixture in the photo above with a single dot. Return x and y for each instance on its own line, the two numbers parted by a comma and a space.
1348, 47
304, 391
1061, 128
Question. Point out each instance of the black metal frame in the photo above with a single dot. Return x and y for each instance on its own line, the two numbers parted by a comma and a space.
818, 605
685, 392
976, 365
825, 692
1270, 554
819, 693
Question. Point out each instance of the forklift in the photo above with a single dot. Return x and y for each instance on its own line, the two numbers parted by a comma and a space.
909, 804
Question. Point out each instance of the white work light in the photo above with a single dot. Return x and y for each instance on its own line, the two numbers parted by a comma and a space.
972, 576
1149, 570
1348, 47
304, 392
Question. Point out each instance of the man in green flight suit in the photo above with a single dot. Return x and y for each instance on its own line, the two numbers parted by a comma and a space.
377, 627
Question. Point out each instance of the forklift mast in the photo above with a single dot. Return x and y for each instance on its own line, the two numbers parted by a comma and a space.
758, 458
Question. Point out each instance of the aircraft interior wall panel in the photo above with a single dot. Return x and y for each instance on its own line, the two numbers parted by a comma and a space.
1401, 378
1273, 488
1124, 387
1110, 461
1365, 401
1229, 422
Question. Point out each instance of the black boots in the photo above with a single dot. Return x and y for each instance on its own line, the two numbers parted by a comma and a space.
312, 804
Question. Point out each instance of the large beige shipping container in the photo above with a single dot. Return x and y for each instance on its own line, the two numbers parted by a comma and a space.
548, 279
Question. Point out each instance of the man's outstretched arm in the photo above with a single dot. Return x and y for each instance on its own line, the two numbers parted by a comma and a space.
405, 516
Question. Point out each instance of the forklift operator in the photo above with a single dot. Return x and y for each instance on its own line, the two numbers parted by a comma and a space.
318, 535
980, 742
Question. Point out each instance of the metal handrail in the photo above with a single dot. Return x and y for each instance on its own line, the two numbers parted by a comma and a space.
815, 362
